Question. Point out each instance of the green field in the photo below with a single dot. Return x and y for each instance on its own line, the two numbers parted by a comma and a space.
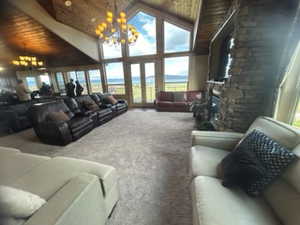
119, 89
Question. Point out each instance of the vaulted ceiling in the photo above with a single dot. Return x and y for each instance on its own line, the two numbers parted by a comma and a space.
21, 34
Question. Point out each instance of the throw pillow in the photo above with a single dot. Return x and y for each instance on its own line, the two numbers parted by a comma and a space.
255, 163
111, 99
90, 106
58, 117
18, 203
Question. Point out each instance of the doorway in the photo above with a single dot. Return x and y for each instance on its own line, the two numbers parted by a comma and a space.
143, 83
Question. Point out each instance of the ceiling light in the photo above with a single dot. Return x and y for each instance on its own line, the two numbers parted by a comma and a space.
115, 30
1, 68
68, 3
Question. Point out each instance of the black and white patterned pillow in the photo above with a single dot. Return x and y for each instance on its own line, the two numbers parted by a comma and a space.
274, 157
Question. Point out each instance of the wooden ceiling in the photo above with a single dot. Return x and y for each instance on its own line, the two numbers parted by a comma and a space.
213, 15
20, 34
84, 15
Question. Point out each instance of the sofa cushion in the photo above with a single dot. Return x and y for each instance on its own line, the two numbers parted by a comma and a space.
62, 169
215, 204
179, 96
204, 160
14, 165
92, 106
17, 203
166, 96
58, 117
180, 104
165, 104
111, 99
79, 122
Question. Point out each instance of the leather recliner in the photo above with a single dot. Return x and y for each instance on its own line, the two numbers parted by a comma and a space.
103, 114
17, 116
58, 133
121, 105
103, 105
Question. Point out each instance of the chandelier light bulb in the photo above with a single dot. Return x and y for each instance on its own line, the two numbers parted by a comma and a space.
68, 3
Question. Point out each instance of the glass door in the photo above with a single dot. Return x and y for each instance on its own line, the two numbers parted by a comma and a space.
143, 83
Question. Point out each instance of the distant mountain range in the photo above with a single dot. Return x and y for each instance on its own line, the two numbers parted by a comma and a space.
150, 79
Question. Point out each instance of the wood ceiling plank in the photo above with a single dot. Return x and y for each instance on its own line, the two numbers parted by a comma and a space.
18, 29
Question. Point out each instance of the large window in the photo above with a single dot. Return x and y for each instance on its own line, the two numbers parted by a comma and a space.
176, 73
150, 82
115, 78
95, 80
81, 78
146, 42
45, 79
60, 81
136, 83
111, 51
72, 75
176, 38
31, 83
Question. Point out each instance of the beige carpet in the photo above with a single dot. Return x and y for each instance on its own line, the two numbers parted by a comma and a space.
150, 152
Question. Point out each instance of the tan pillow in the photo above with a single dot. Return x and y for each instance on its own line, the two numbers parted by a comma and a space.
112, 99
58, 116
90, 106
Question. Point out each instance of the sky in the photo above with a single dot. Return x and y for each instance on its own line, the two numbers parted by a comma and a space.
176, 40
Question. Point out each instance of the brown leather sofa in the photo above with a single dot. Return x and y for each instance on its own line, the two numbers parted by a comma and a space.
59, 133
176, 101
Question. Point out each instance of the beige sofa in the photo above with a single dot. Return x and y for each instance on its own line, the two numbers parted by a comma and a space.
214, 204
77, 191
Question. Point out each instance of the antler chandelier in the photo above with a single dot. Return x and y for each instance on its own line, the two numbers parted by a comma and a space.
115, 29
28, 61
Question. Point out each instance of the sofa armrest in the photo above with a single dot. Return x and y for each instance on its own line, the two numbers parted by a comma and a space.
79, 201
54, 133
216, 139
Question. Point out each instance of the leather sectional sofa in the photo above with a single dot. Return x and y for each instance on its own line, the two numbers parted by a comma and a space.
76, 191
176, 101
16, 116
215, 204
81, 121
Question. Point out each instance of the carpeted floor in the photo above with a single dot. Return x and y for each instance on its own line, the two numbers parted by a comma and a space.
150, 152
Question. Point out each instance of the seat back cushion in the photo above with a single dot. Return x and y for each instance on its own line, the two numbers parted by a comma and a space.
82, 100
284, 194
179, 96
166, 96
39, 112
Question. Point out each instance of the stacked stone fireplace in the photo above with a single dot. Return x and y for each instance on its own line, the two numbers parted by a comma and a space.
260, 31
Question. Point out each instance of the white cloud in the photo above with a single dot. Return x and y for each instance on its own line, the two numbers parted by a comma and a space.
111, 51
176, 38
177, 65
142, 47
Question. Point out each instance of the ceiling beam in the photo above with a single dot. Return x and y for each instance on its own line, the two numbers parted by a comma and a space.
196, 25
83, 42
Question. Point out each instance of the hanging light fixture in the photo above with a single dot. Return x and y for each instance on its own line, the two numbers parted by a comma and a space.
30, 61
115, 30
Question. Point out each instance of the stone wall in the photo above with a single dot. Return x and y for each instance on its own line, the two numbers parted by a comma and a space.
260, 31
